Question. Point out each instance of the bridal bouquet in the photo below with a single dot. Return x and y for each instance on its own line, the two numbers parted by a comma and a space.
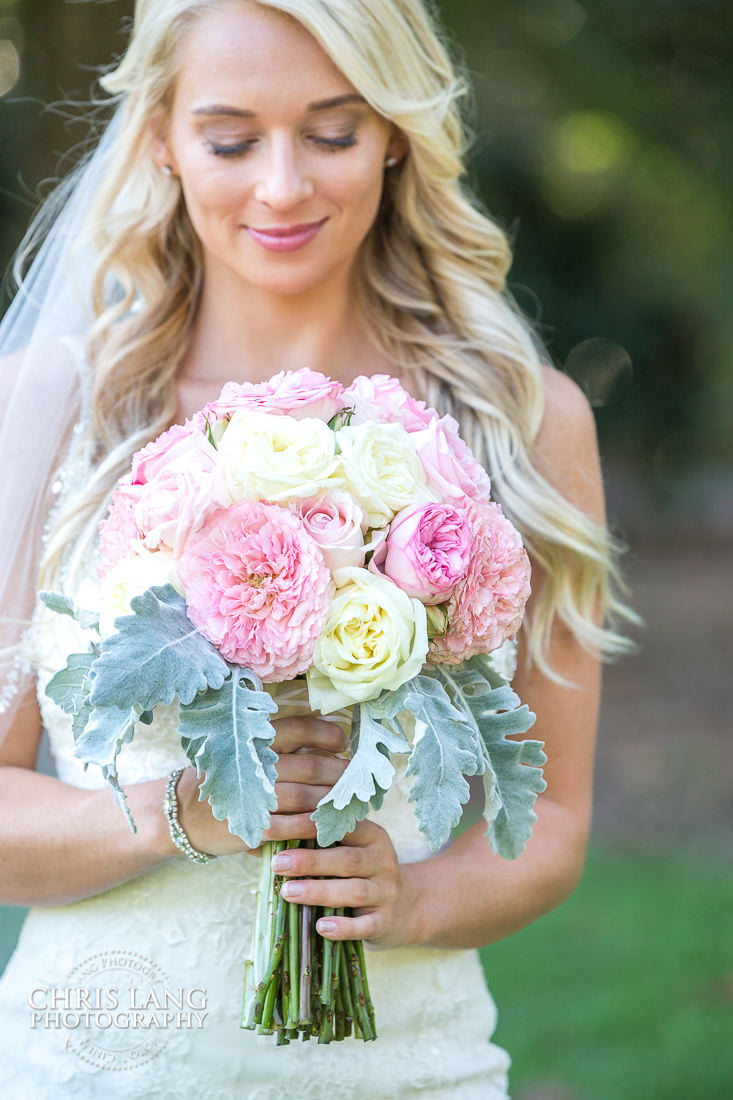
295, 530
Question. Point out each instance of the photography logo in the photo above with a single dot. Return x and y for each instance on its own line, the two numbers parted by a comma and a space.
117, 1009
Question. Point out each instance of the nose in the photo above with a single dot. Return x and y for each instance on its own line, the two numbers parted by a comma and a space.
282, 183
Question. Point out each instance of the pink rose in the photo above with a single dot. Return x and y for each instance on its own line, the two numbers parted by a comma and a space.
337, 523
257, 587
300, 394
487, 606
383, 399
182, 440
119, 529
428, 549
450, 467
174, 505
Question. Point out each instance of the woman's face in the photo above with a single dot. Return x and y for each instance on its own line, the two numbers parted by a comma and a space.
280, 161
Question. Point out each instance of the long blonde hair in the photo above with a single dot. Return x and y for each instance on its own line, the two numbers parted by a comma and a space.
432, 284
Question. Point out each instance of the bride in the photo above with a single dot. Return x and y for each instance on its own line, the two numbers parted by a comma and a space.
280, 187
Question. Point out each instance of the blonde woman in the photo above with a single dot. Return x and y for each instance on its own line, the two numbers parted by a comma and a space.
280, 186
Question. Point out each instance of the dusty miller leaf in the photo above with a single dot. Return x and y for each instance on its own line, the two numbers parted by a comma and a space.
100, 742
62, 605
444, 750
512, 769
69, 687
365, 781
156, 655
227, 733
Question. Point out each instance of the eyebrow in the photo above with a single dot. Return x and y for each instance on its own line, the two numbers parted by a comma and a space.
319, 105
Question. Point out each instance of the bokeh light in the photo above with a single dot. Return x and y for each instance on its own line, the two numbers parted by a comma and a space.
9, 65
591, 142
601, 368
515, 78
552, 22
586, 151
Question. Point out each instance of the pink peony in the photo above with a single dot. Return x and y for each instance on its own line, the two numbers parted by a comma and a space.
487, 606
182, 440
300, 394
257, 587
383, 399
450, 467
119, 529
428, 549
337, 523
174, 505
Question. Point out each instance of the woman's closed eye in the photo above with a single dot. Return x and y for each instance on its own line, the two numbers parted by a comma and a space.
241, 148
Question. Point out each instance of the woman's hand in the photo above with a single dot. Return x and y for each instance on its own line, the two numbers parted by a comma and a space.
307, 768
361, 873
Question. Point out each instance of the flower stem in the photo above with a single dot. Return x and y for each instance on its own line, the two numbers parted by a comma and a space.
306, 964
297, 982
327, 964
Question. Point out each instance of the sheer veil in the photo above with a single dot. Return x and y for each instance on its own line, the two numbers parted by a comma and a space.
43, 410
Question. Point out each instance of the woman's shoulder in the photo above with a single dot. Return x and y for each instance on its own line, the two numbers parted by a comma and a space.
565, 449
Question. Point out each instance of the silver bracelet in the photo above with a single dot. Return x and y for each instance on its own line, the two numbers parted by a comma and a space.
170, 809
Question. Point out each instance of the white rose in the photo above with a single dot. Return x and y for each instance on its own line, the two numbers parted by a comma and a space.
375, 638
382, 470
130, 577
277, 458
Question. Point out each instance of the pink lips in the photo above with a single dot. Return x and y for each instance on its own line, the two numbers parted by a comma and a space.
287, 238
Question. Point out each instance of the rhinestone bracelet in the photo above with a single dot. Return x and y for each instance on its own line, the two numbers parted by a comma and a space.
170, 809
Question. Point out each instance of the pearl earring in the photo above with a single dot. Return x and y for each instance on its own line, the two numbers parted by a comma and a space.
390, 162
166, 170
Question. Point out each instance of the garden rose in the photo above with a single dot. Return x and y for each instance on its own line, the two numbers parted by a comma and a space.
428, 549
174, 505
257, 588
179, 441
374, 639
337, 523
450, 467
300, 394
381, 468
119, 528
487, 606
130, 577
383, 399
277, 458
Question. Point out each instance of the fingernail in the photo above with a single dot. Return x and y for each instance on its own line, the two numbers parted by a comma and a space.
326, 925
291, 889
282, 862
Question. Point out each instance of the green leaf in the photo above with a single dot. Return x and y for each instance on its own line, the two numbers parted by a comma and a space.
512, 781
69, 687
156, 655
512, 769
227, 733
444, 750
366, 779
62, 605
100, 742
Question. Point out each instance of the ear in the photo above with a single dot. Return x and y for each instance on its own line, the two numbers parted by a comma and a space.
159, 144
399, 144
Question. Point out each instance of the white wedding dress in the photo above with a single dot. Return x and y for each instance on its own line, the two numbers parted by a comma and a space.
176, 939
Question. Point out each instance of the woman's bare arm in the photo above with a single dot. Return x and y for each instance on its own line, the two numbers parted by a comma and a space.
59, 843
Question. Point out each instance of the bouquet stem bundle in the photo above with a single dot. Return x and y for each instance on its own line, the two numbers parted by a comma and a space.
298, 984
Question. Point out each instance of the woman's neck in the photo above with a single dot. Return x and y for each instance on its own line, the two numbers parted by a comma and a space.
248, 337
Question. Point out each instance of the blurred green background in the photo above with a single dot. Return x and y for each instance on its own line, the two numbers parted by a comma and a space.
604, 145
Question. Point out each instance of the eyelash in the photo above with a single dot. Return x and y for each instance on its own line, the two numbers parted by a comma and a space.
328, 145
